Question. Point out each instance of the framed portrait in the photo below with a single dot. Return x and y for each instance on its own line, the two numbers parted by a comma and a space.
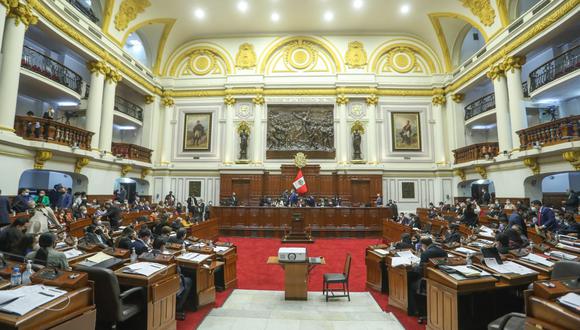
194, 188
406, 131
408, 190
197, 132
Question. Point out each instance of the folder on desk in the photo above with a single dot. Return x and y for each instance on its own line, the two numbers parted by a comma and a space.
144, 268
28, 298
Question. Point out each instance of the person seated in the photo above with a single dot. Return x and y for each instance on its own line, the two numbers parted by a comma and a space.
495, 212
185, 283
163, 222
415, 222
405, 242
503, 223
502, 243
11, 235
166, 232
179, 236
469, 216
125, 241
142, 243
453, 235
516, 219
113, 215
42, 198
177, 224
516, 239
95, 235
46, 254
570, 226
27, 244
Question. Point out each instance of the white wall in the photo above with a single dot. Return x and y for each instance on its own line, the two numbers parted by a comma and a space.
556, 183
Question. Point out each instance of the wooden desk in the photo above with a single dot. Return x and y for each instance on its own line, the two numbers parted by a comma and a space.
205, 230
203, 275
398, 285
377, 275
229, 259
295, 278
392, 231
162, 288
542, 311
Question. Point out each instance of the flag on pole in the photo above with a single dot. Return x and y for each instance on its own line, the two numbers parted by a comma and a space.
300, 184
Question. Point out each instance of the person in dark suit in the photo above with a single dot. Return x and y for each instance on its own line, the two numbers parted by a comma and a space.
11, 235
379, 200
485, 196
453, 235
405, 242
570, 226
20, 202
571, 203
4, 210
141, 244
546, 219
234, 200
113, 215
469, 216
94, 235
517, 219
179, 236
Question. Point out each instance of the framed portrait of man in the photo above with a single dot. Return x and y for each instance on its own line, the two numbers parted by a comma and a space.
406, 131
197, 132
194, 188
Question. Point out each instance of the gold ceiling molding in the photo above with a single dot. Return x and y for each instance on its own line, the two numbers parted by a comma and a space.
125, 169
80, 163
22, 13
149, 99
458, 97
401, 60
229, 100
246, 57
302, 92
404, 50
496, 71
9, 3
356, 56
482, 171
357, 126
113, 76
482, 9
41, 157
502, 8
128, 11
243, 127
201, 60
439, 99
460, 173
145, 172
99, 67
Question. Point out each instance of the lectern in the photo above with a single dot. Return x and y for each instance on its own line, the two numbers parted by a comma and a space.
296, 277
297, 233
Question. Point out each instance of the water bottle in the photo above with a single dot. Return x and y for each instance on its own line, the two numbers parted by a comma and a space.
531, 246
468, 261
16, 277
183, 250
27, 273
76, 243
133, 256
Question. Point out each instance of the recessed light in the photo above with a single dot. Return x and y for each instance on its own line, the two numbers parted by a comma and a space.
242, 6
275, 17
405, 9
199, 13
357, 4
328, 16
67, 104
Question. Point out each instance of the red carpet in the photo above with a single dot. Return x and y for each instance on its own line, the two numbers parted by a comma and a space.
255, 274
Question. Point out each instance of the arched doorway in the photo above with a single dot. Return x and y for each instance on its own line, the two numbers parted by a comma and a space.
36, 180
552, 188
474, 189
133, 187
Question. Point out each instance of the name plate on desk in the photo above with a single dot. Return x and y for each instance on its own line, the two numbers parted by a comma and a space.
60, 278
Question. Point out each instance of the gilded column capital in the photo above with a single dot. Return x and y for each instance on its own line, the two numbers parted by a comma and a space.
439, 99
9, 3
229, 100
99, 67
125, 169
22, 13
458, 97
573, 157
259, 100
460, 173
167, 101
145, 172
373, 100
512, 63
149, 99
342, 100
533, 164
80, 163
41, 157
496, 71
482, 171
113, 76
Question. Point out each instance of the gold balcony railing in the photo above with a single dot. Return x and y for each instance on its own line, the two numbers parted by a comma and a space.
550, 133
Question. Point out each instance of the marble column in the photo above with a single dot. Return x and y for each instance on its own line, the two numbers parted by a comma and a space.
95, 102
343, 132
517, 109
258, 151
230, 103
168, 105
106, 134
497, 74
151, 125
5, 6
19, 18
372, 147
438, 107
456, 122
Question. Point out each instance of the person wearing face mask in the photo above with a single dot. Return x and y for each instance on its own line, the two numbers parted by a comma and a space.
545, 217
42, 219
95, 235
503, 224
453, 235
126, 239
20, 203
570, 226
47, 255
42, 198
142, 243
11, 235
516, 219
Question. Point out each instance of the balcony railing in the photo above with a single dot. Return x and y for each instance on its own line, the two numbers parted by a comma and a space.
555, 68
486, 150
47, 130
88, 12
554, 132
46, 66
128, 108
131, 151
525, 89
479, 106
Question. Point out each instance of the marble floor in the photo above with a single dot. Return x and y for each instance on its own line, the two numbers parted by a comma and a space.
256, 309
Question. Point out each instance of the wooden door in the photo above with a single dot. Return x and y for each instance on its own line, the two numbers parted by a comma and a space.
242, 190
360, 190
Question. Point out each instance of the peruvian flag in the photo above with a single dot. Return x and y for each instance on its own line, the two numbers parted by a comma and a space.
300, 184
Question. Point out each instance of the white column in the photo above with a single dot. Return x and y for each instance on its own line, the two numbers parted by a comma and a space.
517, 109
95, 101
151, 125
4, 7
229, 157
455, 123
343, 133
504, 135
372, 102
257, 136
168, 106
438, 107
14, 29
106, 133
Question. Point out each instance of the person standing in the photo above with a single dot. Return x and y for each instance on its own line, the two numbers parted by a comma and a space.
20, 203
546, 219
517, 219
170, 199
234, 200
4, 210
379, 200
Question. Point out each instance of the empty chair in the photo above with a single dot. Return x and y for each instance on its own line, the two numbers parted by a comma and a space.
511, 321
564, 269
337, 278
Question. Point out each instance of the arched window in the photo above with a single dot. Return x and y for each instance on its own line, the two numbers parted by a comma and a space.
137, 48
472, 42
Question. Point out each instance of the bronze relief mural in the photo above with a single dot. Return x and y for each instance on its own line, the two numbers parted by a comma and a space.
300, 128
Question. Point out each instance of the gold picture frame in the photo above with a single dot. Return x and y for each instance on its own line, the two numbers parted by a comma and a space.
406, 131
197, 131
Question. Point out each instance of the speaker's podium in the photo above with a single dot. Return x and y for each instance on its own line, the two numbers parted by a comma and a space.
297, 266
298, 232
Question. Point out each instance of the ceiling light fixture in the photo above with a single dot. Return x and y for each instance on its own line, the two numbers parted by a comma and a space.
405, 9
199, 13
357, 4
328, 16
275, 17
243, 6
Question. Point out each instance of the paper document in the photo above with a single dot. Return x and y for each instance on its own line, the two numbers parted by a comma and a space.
99, 257
29, 298
571, 300
218, 249
536, 259
464, 250
404, 258
507, 267
467, 271
60, 245
144, 268
561, 255
72, 253
194, 257
382, 252
572, 248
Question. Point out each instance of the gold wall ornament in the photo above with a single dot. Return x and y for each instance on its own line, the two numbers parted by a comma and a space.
167, 101
99, 67
22, 13
573, 157
300, 160
145, 172
496, 71
125, 169
246, 57
259, 100
128, 11
356, 56
342, 100
482, 171
149, 99
482, 9
512, 63
373, 100
533, 164
202, 62
41, 157
243, 126
401, 60
438, 98
9, 3
229, 100
357, 126
458, 97
460, 173
80, 163
113, 76
300, 54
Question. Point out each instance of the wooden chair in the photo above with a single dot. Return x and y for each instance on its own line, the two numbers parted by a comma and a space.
336, 278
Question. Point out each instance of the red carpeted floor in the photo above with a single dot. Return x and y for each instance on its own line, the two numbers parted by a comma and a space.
255, 274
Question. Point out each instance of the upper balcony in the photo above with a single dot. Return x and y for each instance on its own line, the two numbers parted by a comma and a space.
131, 151
555, 68
52, 131
554, 132
88, 12
128, 108
479, 106
479, 151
